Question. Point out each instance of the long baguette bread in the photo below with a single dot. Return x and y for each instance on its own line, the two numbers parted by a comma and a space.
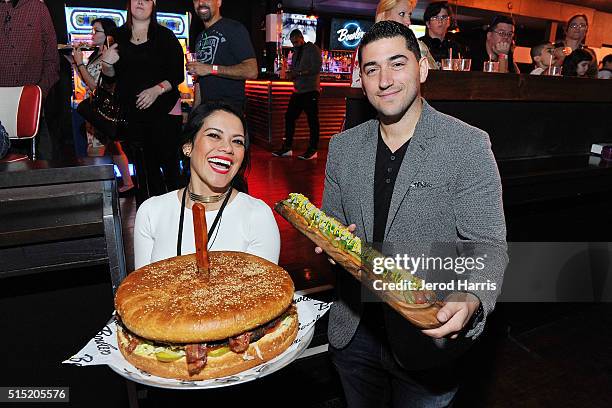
418, 306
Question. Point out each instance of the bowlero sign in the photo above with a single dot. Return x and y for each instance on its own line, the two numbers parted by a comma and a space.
347, 34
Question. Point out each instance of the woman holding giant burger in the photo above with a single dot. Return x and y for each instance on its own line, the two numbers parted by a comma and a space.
217, 146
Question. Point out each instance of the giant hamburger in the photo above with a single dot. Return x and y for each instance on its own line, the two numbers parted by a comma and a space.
173, 323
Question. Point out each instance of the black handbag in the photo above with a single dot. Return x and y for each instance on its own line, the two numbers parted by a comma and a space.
103, 110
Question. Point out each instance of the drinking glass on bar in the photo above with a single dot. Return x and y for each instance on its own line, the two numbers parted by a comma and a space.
554, 71
462, 64
490, 66
446, 64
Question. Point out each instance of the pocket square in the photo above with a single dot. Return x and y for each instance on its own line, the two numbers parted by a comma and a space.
420, 184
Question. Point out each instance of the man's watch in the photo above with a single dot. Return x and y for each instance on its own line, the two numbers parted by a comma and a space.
215, 70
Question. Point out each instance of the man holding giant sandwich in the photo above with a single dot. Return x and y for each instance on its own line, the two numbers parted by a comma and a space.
412, 175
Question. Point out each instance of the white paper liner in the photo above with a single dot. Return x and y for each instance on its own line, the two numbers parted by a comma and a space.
103, 350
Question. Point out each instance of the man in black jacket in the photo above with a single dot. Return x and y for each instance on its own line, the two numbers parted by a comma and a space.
498, 46
305, 72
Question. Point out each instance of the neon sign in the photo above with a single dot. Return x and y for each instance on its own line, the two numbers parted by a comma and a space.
78, 19
177, 23
350, 35
347, 34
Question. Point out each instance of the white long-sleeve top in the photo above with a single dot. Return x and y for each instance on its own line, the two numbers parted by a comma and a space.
247, 225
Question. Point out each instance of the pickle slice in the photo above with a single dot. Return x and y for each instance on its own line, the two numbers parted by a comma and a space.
167, 356
218, 352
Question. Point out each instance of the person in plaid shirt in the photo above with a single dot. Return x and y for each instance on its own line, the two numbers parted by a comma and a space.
28, 53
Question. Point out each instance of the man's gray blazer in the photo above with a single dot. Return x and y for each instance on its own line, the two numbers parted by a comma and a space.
448, 189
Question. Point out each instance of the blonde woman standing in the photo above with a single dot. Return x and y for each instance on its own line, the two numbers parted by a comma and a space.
400, 11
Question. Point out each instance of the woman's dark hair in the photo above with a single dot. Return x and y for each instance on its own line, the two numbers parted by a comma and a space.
572, 18
194, 124
109, 26
152, 24
570, 63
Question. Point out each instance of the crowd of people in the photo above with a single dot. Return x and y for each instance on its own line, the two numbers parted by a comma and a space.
570, 53
224, 60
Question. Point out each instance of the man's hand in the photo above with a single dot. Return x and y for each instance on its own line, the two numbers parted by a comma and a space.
502, 47
199, 68
456, 312
147, 97
319, 250
111, 55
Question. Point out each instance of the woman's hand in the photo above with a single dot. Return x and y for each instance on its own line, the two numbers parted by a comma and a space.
111, 55
147, 97
77, 55
562, 52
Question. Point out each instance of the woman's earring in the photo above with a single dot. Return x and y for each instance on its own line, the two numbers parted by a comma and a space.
187, 152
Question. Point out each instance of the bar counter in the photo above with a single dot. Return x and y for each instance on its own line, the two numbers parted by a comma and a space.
525, 115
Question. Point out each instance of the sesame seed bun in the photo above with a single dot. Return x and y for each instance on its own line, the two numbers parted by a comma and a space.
169, 302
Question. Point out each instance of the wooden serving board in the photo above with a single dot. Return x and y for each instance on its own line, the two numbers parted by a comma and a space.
421, 315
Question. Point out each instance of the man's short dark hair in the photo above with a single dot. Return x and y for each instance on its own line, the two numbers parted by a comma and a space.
390, 29
500, 19
607, 59
296, 34
536, 50
434, 9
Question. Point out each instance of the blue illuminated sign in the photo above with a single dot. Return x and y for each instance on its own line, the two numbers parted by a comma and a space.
78, 19
177, 23
347, 34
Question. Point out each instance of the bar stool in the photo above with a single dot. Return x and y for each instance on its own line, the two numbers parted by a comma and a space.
20, 109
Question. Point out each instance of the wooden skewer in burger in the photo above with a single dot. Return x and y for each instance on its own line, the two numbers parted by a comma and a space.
201, 239
212, 313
